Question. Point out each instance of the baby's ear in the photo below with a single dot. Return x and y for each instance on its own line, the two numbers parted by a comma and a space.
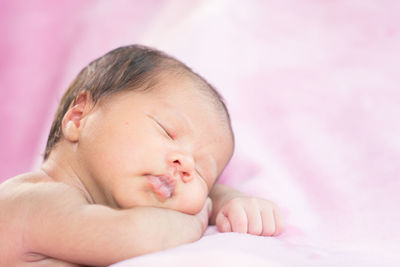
72, 121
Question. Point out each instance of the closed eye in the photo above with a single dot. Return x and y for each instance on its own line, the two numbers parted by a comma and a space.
167, 133
165, 130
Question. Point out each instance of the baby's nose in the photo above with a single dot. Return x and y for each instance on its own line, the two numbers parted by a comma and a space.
183, 163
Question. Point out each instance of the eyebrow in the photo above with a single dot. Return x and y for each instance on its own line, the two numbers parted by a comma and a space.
182, 118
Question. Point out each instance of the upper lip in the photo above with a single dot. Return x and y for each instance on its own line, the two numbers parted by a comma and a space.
165, 178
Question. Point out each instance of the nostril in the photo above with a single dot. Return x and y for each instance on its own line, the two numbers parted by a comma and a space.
186, 176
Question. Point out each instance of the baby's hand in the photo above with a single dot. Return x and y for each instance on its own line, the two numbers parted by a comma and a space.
250, 215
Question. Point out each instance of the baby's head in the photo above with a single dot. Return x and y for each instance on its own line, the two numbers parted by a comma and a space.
142, 129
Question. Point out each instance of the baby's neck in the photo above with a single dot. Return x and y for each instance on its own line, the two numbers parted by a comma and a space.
61, 169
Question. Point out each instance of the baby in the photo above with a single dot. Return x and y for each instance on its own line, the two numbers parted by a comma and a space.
130, 167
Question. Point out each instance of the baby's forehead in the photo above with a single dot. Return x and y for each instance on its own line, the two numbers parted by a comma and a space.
194, 87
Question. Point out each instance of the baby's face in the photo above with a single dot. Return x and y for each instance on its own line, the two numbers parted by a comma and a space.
161, 148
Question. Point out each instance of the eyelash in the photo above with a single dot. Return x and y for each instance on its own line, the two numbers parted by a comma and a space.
165, 131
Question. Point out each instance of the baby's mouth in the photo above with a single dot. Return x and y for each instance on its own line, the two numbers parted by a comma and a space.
162, 185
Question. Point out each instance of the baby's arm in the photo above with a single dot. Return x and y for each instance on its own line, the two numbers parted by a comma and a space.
236, 212
62, 225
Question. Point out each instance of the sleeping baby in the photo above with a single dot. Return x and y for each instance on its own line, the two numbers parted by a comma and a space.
130, 167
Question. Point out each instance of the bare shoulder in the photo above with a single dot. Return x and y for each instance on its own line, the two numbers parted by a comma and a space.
23, 198
22, 195
35, 186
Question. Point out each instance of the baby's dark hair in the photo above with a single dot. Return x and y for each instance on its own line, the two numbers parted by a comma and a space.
133, 67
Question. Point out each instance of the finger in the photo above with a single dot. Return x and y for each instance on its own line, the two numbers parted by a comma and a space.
268, 222
254, 223
222, 223
279, 223
238, 219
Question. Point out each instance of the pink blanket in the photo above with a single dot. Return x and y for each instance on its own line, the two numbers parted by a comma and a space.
313, 88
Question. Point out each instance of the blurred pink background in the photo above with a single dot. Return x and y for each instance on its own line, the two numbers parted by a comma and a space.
313, 88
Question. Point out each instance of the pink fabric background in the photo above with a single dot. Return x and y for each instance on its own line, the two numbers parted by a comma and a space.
313, 88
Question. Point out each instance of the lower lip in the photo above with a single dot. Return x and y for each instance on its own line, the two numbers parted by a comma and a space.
161, 186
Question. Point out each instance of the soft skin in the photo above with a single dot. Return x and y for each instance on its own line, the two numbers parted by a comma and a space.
111, 147
91, 203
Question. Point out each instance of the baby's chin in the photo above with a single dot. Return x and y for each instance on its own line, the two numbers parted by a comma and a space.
143, 198
190, 207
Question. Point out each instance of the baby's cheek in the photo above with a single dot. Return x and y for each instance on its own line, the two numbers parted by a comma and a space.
129, 194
